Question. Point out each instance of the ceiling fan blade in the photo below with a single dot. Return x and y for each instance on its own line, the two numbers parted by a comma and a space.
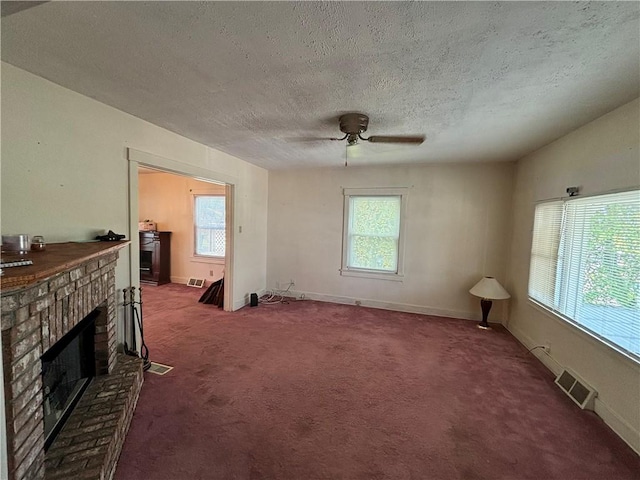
308, 139
393, 139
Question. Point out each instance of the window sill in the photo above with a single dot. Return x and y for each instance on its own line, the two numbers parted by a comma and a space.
610, 348
207, 260
393, 277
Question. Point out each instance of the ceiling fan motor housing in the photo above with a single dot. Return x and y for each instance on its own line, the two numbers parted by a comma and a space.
354, 123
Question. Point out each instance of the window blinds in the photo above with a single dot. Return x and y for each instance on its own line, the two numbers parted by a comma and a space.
544, 252
585, 264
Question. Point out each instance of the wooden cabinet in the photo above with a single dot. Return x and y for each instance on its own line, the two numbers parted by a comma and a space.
155, 257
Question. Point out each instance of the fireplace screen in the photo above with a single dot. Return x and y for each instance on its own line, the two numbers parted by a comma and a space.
146, 262
67, 370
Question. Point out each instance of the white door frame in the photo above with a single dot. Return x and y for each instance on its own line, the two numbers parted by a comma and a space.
138, 158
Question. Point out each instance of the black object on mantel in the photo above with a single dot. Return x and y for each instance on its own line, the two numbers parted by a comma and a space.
110, 237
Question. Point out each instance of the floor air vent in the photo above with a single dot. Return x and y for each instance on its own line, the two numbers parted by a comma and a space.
195, 282
577, 389
159, 368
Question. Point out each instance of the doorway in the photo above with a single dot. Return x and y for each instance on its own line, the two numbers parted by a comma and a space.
174, 189
182, 228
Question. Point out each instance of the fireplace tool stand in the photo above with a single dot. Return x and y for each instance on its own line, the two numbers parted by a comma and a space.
133, 316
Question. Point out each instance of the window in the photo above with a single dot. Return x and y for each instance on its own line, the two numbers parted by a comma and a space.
585, 265
373, 232
209, 224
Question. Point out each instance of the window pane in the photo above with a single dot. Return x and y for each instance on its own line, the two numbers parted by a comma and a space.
210, 225
375, 216
374, 253
374, 230
602, 284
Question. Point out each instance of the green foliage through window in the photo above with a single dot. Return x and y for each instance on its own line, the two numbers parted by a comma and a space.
374, 230
612, 270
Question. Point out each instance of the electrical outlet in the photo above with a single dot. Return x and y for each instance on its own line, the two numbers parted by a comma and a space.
211, 273
292, 283
358, 303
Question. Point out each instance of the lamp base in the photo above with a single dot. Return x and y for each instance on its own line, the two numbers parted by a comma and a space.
486, 306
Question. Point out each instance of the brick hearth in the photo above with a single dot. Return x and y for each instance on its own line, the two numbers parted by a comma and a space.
89, 445
40, 304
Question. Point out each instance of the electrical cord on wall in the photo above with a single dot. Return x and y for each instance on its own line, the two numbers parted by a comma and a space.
545, 350
543, 347
273, 297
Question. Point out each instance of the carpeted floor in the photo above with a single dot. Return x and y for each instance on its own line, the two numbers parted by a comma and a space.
311, 390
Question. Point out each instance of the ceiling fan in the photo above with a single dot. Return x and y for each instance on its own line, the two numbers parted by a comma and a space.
355, 124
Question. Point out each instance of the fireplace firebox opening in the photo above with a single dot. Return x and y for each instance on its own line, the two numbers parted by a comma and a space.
67, 370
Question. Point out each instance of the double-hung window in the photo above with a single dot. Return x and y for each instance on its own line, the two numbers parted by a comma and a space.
585, 265
373, 232
209, 225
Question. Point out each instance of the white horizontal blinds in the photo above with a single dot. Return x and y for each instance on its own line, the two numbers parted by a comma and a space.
374, 230
600, 277
544, 252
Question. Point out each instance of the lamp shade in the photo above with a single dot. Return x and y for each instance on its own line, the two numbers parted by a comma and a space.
490, 289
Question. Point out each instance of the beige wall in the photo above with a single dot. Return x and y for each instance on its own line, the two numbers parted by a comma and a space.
65, 174
457, 230
167, 199
601, 156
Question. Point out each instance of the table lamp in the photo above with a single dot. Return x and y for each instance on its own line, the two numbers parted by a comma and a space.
488, 289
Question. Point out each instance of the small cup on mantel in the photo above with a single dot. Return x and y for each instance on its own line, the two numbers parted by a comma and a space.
19, 244
37, 243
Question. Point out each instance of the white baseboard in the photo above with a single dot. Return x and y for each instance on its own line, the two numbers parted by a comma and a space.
398, 307
182, 280
625, 431
546, 359
238, 304
618, 425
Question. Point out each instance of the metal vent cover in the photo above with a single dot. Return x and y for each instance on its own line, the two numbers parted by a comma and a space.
159, 368
195, 282
578, 390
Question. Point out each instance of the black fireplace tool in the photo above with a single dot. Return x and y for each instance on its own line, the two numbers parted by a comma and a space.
135, 317
129, 328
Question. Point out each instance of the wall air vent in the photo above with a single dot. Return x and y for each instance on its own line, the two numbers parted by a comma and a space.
195, 282
577, 389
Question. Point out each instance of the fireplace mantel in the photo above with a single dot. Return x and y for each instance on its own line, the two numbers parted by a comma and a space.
57, 258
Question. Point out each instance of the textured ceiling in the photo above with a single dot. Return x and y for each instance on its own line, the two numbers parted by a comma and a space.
483, 81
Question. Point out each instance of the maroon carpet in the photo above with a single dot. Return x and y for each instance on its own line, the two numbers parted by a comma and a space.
311, 390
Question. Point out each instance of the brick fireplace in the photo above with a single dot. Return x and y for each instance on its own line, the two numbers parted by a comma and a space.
40, 304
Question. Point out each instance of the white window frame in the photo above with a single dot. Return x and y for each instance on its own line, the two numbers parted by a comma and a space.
217, 259
346, 270
561, 302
